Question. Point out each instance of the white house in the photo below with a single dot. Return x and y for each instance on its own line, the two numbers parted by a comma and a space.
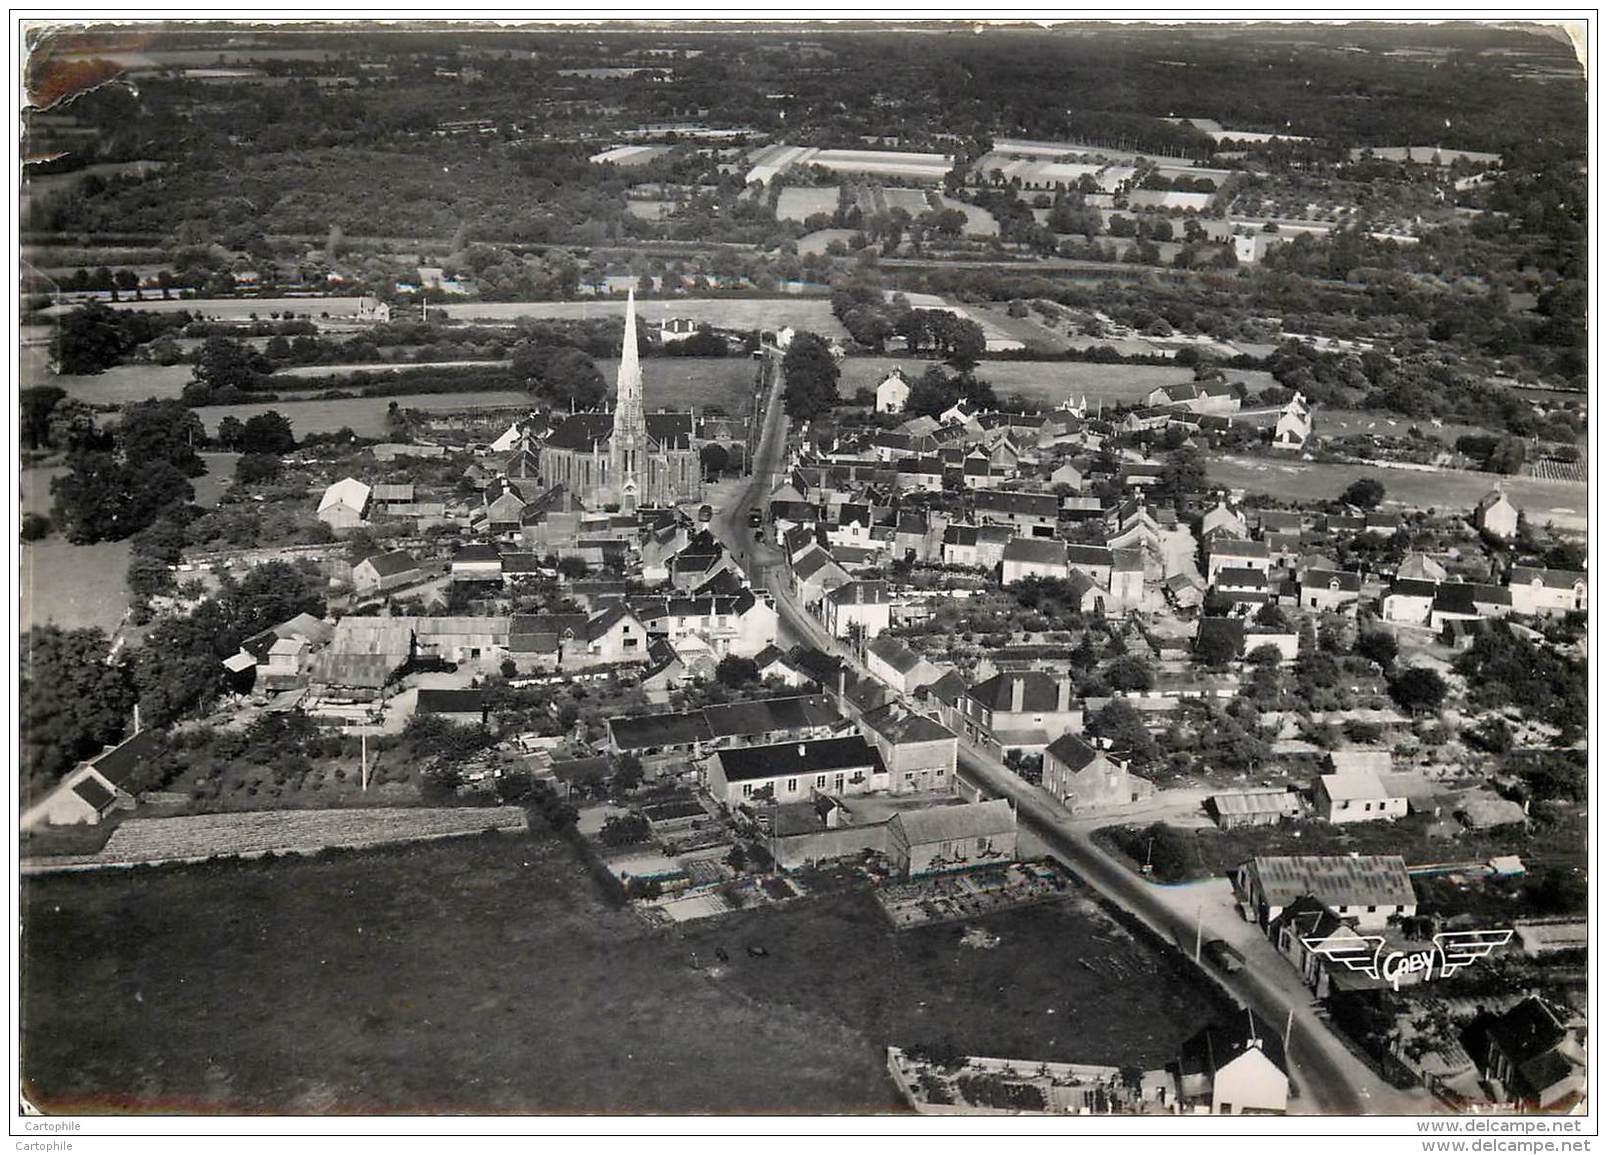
90, 791
865, 605
1547, 591
893, 393
1496, 515
1366, 889
345, 504
1235, 1068
794, 771
1354, 796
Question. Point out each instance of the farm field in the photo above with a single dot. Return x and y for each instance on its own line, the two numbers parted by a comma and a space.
810, 313
649, 210
1559, 502
817, 242
668, 383
978, 221
799, 204
400, 980
71, 585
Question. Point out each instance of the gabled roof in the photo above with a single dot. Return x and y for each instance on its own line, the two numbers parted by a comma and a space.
1338, 880
1557, 579
1089, 555
1232, 629
1040, 692
771, 715
1241, 578
1074, 750
1411, 588
1233, 547
116, 764
1045, 505
956, 823
895, 653
903, 728
747, 763
855, 593
477, 553
1337, 579
1221, 1043
348, 491
450, 701
1353, 786
648, 730
1036, 551
92, 792
390, 564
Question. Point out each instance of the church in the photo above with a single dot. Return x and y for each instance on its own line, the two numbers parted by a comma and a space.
629, 458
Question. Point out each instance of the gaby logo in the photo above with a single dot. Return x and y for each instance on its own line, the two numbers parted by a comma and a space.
1365, 954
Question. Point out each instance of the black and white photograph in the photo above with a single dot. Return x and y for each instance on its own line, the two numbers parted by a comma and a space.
731, 573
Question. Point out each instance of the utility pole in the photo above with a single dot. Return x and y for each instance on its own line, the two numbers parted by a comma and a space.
1199, 930
1288, 1029
365, 761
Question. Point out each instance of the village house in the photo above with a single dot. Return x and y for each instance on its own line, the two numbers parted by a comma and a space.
1227, 553
1305, 933
918, 753
900, 667
1368, 889
1468, 602
1496, 515
794, 771
88, 793
1531, 1059
1029, 514
1322, 589
1293, 429
1235, 1068
864, 608
1225, 520
1241, 586
939, 839
1085, 778
1023, 710
460, 707
1408, 602
477, 563
384, 571
1354, 796
1028, 557
1547, 591
815, 573
345, 504
892, 392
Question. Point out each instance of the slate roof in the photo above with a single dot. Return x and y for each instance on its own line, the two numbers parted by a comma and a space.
1221, 1043
116, 764
393, 563
746, 763
92, 792
1036, 551
644, 731
1074, 750
956, 823
450, 701
1040, 692
770, 715
1231, 547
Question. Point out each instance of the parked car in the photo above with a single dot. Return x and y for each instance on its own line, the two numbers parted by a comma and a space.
1223, 956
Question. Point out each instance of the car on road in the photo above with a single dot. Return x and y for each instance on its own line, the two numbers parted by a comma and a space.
755, 518
1223, 956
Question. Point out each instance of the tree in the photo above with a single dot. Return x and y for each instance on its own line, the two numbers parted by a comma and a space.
573, 379
1417, 688
811, 377
1130, 673
231, 432
1215, 648
628, 772
253, 468
225, 370
736, 671
35, 404
1125, 729
1378, 646
35, 527
103, 499
268, 432
572, 567
161, 431
714, 459
72, 700
1364, 493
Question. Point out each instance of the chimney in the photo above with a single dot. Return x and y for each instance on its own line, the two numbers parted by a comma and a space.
802, 750
1018, 691
859, 593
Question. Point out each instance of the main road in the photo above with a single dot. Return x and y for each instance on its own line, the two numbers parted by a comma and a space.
1330, 1079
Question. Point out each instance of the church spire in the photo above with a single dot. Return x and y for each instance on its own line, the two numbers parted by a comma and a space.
628, 445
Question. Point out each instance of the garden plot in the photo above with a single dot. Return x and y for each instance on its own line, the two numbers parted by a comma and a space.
799, 204
204, 836
957, 897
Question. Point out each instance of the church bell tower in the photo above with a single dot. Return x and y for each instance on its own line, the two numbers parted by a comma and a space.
628, 445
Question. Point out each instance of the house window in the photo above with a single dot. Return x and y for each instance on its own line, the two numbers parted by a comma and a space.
792, 785
981, 845
820, 781
747, 790
1372, 910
